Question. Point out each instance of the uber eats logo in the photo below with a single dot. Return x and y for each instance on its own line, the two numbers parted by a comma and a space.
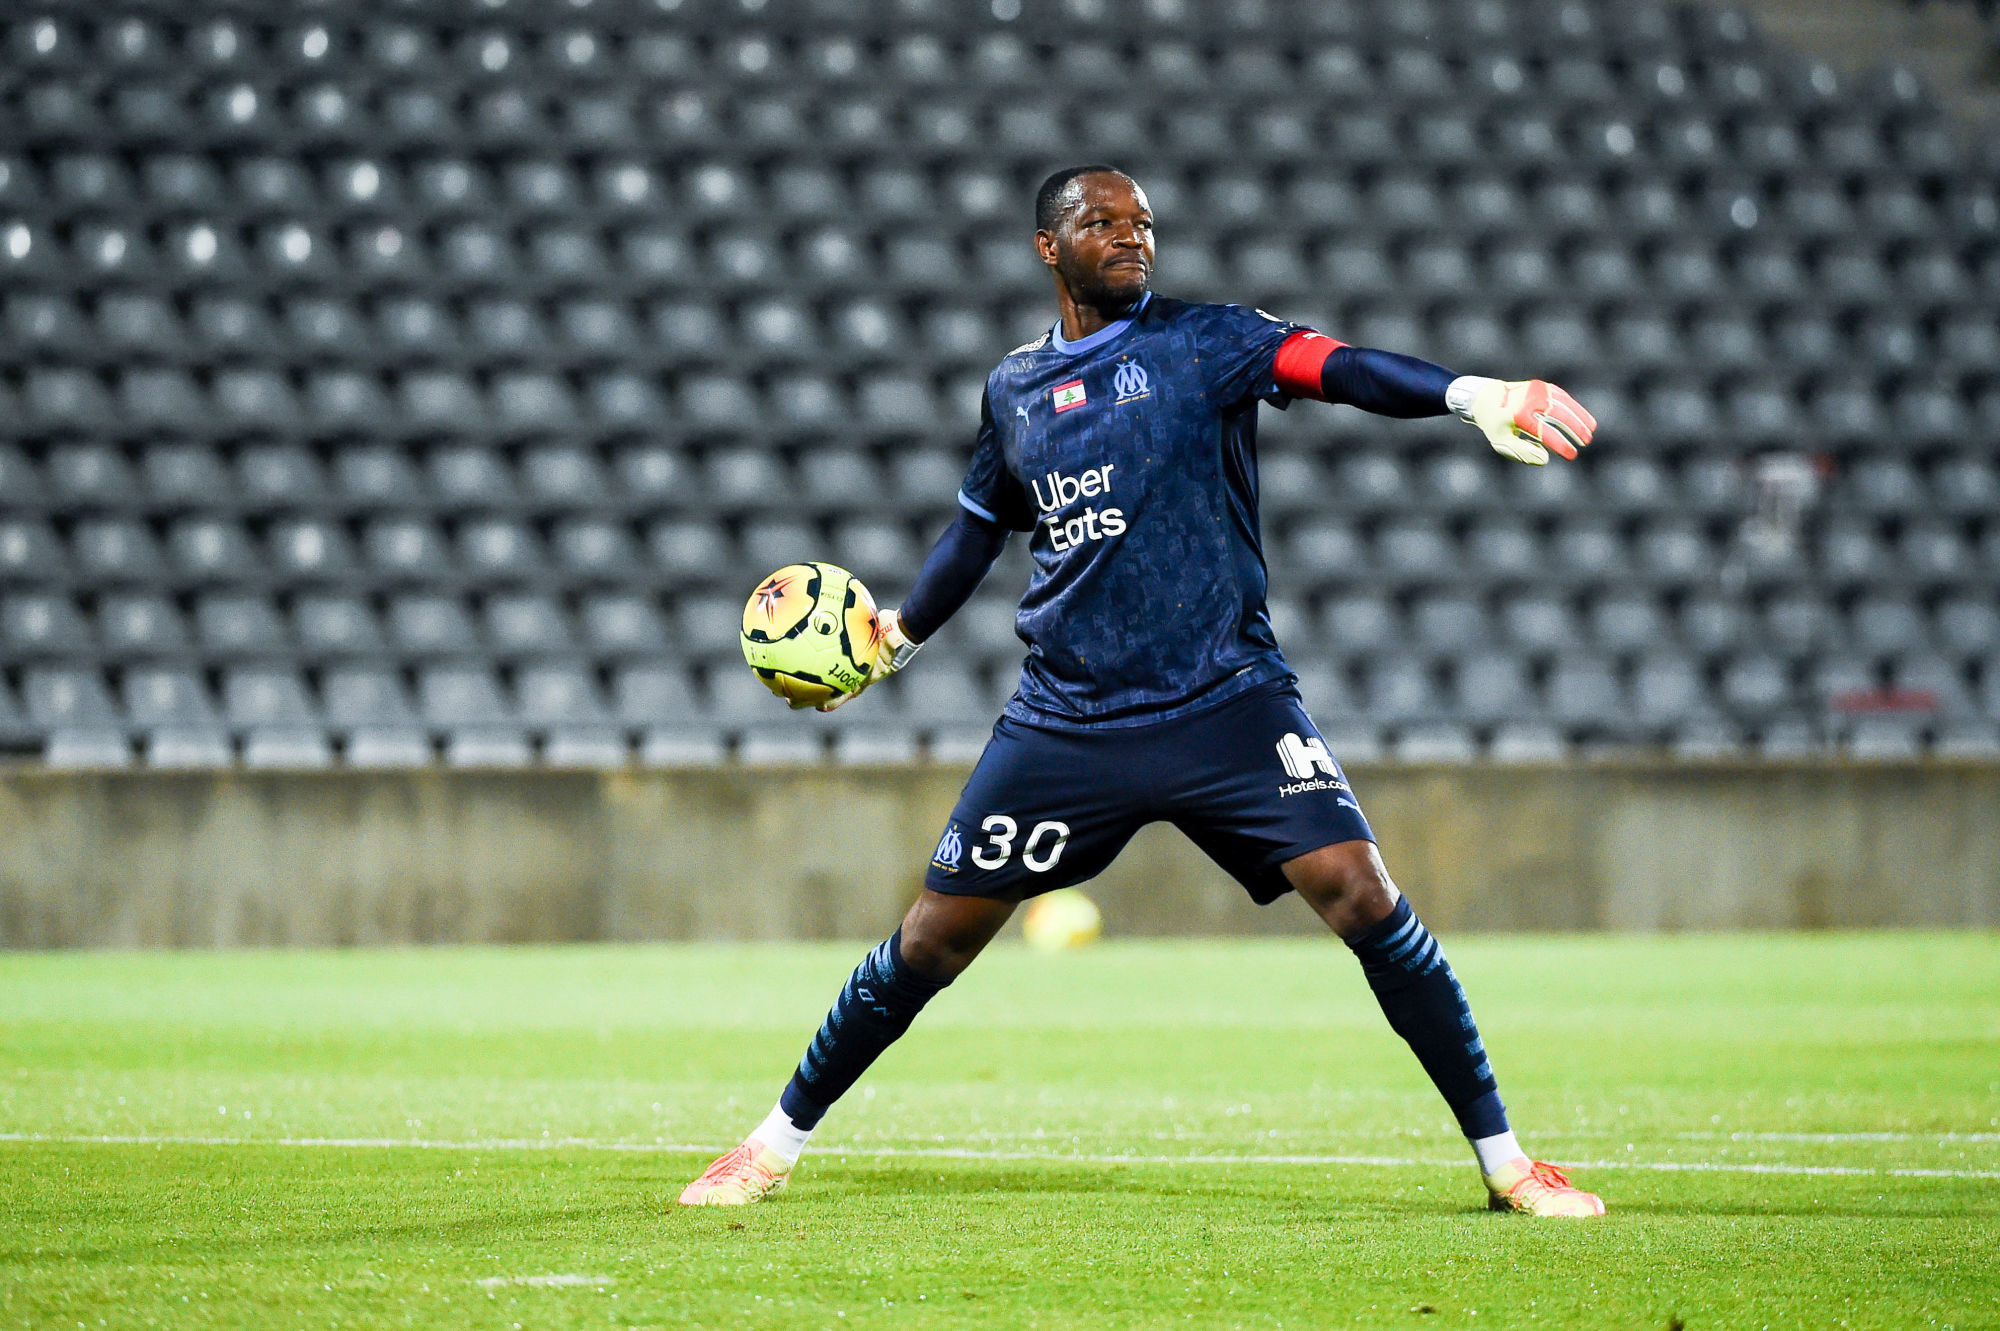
1055, 492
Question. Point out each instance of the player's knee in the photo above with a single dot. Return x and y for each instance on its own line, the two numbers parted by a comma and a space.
942, 934
1346, 884
935, 957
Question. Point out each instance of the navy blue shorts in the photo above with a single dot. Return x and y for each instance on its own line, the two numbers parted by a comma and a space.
1249, 781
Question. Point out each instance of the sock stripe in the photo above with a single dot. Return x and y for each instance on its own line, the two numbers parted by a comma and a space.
1416, 940
1401, 932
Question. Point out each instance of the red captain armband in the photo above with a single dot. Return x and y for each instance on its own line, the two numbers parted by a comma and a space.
1299, 361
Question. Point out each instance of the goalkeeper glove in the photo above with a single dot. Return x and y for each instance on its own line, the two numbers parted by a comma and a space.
1524, 419
893, 653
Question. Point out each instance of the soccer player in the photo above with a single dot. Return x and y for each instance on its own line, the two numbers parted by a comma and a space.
1123, 440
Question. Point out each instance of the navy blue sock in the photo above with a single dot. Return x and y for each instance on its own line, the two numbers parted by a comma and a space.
875, 1007
1425, 1005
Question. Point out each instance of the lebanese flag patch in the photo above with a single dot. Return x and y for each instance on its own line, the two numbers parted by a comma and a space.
1067, 395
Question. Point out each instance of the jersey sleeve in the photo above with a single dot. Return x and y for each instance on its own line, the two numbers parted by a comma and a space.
992, 491
1240, 347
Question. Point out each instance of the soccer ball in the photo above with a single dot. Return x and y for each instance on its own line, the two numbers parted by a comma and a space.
811, 633
1061, 919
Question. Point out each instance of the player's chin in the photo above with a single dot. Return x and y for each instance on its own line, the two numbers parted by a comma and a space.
1124, 281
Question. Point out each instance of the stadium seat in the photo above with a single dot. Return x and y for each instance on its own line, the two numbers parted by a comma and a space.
290, 749
623, 625
1884, 625
560, 696
1711, 624
267, 698
366, 697
563, 477
1412, 550
309, 551
1586, 692
1504, 550
657, 697
1668, 691
1969, 625
1625, 622
30, 553
949, 698
139, 626
1540, 623
1492, 686
527, 625
117, 552
881, 551
773, 543
142, 325
372, 476
187, 475
166, 697
90, 476
237, 626
695, 551
188, 747
461, 696
1756, 686
487, 746
1450, 624
1399, 690
40, 625
406, 549
207, 551
1361, 625
426, 624
328, 626
596, 550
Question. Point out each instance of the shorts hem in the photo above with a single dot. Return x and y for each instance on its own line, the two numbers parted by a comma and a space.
1290, 853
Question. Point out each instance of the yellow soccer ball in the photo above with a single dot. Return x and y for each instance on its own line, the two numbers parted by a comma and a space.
1061, 919
811, 633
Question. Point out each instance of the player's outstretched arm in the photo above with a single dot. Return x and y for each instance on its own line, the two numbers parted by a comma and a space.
1525, 419
951, 573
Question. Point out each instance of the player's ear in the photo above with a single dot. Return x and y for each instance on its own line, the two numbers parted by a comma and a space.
1045, 246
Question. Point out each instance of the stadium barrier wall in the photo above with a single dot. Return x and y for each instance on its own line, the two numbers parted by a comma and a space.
349, 858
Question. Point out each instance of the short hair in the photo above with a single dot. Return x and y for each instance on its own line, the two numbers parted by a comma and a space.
1050, 199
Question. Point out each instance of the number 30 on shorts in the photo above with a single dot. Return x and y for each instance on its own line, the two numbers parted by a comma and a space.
1039, 852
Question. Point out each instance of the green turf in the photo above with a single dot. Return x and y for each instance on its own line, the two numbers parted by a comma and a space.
530, 1066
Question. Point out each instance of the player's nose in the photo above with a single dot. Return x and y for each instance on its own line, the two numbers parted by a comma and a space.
1128, 246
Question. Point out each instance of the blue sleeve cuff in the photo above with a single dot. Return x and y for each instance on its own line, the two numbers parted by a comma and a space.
965, 502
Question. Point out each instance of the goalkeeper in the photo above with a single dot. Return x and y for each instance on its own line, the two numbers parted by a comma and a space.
1123, 442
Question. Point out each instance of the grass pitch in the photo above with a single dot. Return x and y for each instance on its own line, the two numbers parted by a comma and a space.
1790, 1131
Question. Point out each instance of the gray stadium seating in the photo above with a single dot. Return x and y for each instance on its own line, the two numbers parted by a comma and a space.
439, 396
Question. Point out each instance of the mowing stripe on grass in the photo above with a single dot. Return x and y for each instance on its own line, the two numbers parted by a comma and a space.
960, 1153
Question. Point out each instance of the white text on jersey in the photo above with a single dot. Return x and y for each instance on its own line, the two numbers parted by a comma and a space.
1055, 491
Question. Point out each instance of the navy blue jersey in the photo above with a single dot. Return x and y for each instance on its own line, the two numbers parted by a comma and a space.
1131, 457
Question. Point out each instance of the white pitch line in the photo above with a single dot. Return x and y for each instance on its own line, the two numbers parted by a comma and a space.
964, 1153
1942, 1138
